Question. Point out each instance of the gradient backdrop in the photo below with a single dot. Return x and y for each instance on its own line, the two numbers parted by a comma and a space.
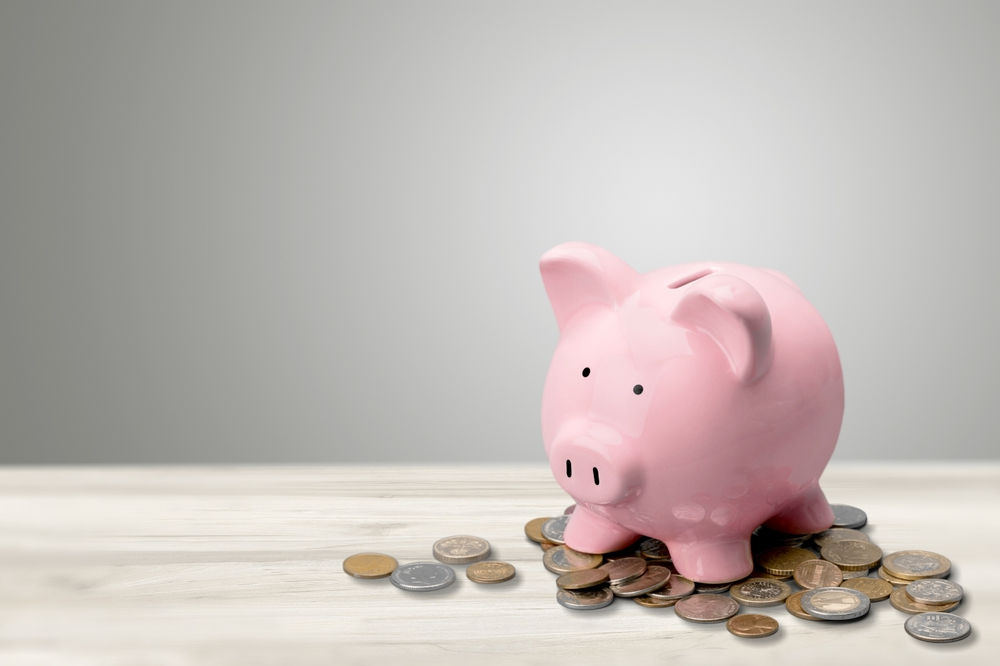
297, 232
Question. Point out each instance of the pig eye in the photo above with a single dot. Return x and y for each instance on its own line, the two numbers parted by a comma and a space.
637, 389
586, 372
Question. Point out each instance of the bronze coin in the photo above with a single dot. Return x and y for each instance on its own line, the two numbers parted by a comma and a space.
533, 530
851, 555
875, 589
838, 534
581, 580
370, 565
818, 573
886, 576
563, 559
677, 587
752, 625
653, 602
901, 602
653, 579
782, 561
793, 604
706, 608
626, 569
490, 572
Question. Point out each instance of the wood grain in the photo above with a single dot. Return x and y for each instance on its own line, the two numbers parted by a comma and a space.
217, 565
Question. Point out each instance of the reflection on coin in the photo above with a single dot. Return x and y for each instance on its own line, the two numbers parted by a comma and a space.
752, 625
885, 575
848, 516
422, 576
793, 604
835, 603
533, 530
585, 599
653, 579
490, 572
875, 589
370, 565
782, 561
581, 580
626, 569
852, 555
838, 534
915, 564
553, 528
654, 549
938, 627
677, 587
760, 592
901, 602
653, 602
461, 549
706, 608
563, 559
818, 573
934, 591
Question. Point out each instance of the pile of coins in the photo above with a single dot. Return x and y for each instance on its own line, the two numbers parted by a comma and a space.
833, 570
429, 576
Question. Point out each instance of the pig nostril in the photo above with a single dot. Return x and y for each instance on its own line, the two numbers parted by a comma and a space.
569, 469
597, 478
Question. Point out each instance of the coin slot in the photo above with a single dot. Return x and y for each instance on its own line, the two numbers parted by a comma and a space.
597, 478
569, 469
688, 279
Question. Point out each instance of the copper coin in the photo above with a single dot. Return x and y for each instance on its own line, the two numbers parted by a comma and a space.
677, 587
705, 608
752, 625
851, 555
793, 604
490, 572
563, 559
875, 589
370, 565
901, 602
782, 561
653, 579
581, 580
818, 573
916, 564
626, 569
533, 530
653, 602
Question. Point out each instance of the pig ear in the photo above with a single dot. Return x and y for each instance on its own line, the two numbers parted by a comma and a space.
577, 275
735, 316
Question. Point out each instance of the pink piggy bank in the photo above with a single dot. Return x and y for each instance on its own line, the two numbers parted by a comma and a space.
690, 404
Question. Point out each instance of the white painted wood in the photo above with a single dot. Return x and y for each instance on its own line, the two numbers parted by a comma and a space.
215, 565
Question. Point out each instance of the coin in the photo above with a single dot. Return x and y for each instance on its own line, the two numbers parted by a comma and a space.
855, 574
938, 627
818, 573
490, 572
653, 579
875, 589
848, 516
885, 575
580, 580
370, 565
548, 545
677, 587
835, 603
782, 561
631, 551
760, 573
626, 569
553, 528
533, 530
563, 559
706, 608
654, 549
422, 577
653, 602
760, 592
852, 555
461, 549
838, 534
934, 591
915, 564
593, 599
711, 588
793, 604
901, 602
752, 625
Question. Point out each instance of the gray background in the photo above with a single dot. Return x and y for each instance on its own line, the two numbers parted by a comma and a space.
289, 231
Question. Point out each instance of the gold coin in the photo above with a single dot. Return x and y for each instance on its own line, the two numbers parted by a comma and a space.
875, 589
653, 602
838, 534
793, 604
752, 625
818, 573
490, 572
370, 565
851, 555
916, 564
759, 592
782, 561
563, 559
581, 580
760, 573
900, 601
886, 576
533, 530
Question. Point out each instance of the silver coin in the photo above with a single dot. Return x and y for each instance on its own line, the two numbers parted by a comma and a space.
706, 608
653, 579
677, 587
461, 549
848, 516
585, 599
624, 570
553, 529
422, 576
838, 534
938, 627
654, 549
835, 603
934, 591
712, 588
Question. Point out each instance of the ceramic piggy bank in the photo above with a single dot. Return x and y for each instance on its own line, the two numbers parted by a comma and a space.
690, 404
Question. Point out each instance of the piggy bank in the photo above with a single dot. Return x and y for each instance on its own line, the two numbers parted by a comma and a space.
691, 404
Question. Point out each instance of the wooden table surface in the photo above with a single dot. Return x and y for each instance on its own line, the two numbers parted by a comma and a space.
242, 565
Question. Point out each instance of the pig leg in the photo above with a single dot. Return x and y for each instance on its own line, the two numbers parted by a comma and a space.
713, 560
806, 514
588, 532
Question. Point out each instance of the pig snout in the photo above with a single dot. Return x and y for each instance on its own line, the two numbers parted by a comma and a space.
593, 465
